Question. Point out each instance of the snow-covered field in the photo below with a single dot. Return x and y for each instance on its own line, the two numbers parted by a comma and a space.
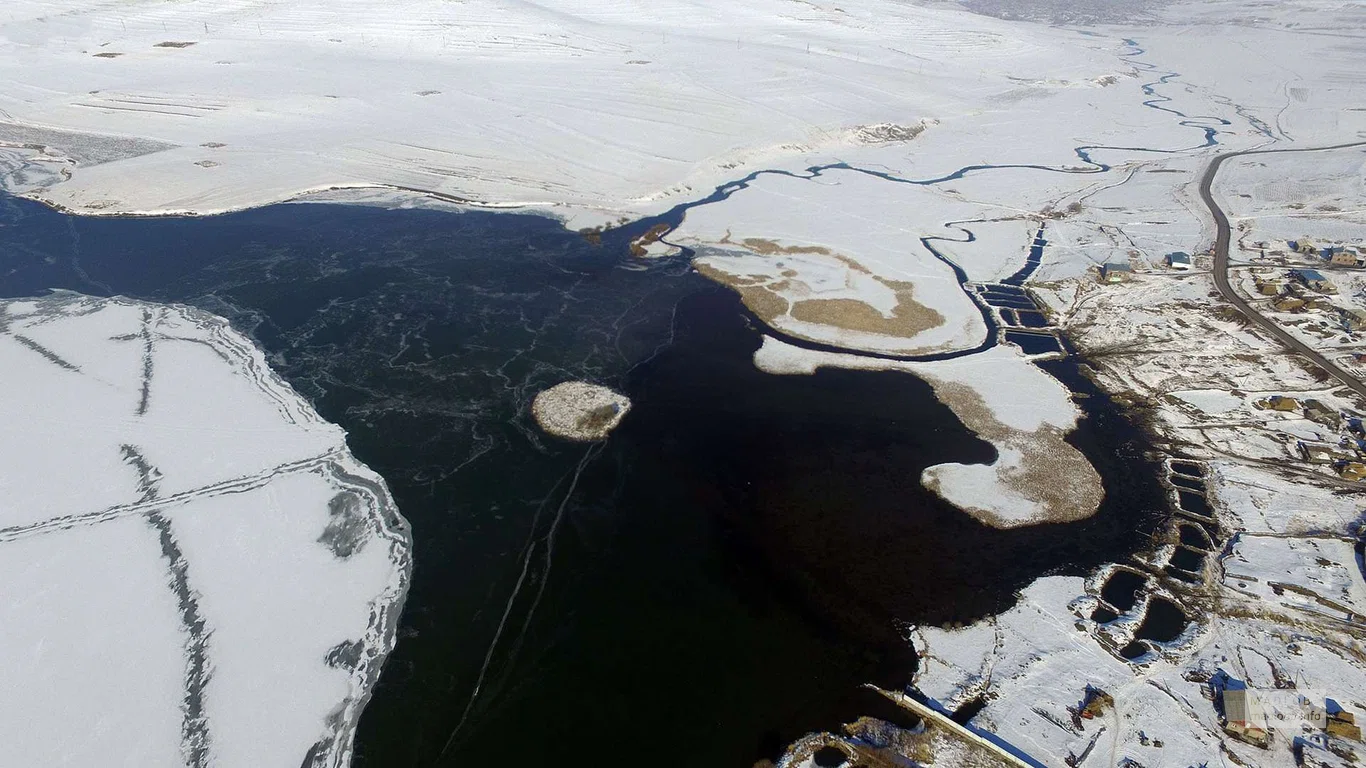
196, 570
1286, 197
609, 106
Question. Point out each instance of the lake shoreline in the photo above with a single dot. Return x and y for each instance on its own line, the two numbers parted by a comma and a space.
425, 335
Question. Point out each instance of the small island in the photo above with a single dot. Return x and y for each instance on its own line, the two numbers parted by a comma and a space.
579, 411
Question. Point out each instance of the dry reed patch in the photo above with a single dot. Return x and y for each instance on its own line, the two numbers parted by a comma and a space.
908, 317
1051, 473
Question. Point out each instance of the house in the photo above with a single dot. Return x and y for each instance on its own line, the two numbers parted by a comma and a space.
1179, 260
1316, 411
1352, 319
1341, 723
1243, 716
1095, 702
1320, 453
1303, 246
1268, 287
1332, 719
1115, 273
1280, 403
1288, 304
1313, 280
1344, 258
1350, 470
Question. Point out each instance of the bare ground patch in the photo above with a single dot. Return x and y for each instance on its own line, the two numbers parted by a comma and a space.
908, 318
771, 299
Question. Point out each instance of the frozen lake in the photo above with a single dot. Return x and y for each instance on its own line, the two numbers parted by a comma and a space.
719, 576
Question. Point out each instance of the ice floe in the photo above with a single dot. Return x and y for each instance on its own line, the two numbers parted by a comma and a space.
197, 571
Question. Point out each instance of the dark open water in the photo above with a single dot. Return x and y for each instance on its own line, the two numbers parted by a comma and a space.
730, 565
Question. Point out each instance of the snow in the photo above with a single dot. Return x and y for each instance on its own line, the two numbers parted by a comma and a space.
1283, 597
105, 396
1025, 413
1211, 401
841, 236
1018, 395
91, 674
301, 602
198, 570
602, 106
1037, 659
1275, 505
997, 252
597, 112
1279, 560
1275, 198
1293, 65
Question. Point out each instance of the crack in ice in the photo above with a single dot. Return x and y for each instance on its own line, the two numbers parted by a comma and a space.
549, 541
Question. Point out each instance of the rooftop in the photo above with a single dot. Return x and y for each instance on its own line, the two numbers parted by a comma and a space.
1242, 707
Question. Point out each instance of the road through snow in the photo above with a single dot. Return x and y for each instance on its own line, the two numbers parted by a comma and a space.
1221, 246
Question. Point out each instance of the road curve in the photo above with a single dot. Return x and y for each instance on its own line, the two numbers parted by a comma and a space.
1221, 246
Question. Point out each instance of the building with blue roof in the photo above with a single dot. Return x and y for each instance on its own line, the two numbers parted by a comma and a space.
1313, 280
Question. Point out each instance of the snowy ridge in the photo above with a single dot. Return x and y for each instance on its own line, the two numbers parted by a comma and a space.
223, 579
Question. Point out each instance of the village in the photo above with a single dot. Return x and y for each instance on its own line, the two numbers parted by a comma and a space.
1288, 284
1309, 428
